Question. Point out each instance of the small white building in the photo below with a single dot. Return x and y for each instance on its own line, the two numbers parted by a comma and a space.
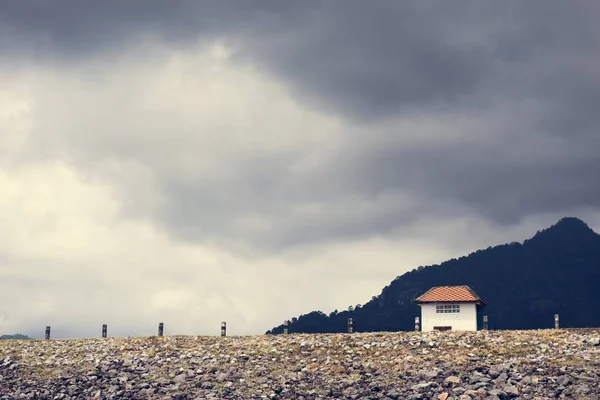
446, 308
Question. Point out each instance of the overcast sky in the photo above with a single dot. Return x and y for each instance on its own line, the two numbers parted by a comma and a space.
189, 162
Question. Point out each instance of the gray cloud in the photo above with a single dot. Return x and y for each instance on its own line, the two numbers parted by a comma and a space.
200, 143
363, 59
524, 72
71, 29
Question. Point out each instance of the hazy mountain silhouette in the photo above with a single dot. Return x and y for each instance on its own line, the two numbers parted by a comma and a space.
17, 336
524, 285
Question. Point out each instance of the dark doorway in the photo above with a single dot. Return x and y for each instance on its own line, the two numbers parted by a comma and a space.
442, 328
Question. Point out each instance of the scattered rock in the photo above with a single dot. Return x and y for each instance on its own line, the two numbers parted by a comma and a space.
221, 377
563, 380
422, 387
511, 390
497, 392
452, 379
491, 365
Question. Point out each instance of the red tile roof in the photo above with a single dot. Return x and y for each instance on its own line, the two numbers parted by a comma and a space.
454, 294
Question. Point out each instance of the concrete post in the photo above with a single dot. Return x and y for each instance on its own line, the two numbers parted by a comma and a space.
417, 324
47, 333
104, 331
161, 327
350, 327
485, 322
285, 327
223, 328
556, 322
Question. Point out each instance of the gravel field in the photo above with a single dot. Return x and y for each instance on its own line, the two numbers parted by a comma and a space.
544, 364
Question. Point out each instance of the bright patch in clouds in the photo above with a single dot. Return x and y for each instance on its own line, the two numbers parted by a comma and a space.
204, 162
70, 261
79, 245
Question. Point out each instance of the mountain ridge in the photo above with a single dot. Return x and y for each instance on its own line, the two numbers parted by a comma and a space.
16, 336
524, 284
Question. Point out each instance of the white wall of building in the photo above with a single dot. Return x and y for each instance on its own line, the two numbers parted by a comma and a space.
465, 320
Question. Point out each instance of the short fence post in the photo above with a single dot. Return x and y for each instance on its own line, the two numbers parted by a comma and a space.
485, 322
104, 331
285, 327
350, 328
417, 325
160, 329
47, 333
556, 324
223, 328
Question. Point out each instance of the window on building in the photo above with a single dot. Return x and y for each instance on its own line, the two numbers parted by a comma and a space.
447, 309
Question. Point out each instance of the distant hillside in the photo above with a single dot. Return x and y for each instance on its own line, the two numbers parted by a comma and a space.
17, 336
524, 285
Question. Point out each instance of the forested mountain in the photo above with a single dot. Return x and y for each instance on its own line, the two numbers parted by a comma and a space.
524, 285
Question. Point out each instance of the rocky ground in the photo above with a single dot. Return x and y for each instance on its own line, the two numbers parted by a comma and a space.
545, 364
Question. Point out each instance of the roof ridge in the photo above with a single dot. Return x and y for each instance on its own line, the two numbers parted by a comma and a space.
472, 292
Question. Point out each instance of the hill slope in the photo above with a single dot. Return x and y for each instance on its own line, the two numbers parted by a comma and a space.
524, 285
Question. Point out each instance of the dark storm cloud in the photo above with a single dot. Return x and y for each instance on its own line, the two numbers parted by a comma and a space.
72, 28
365, 59
360, 58
372, 60
502, 182
525, 72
